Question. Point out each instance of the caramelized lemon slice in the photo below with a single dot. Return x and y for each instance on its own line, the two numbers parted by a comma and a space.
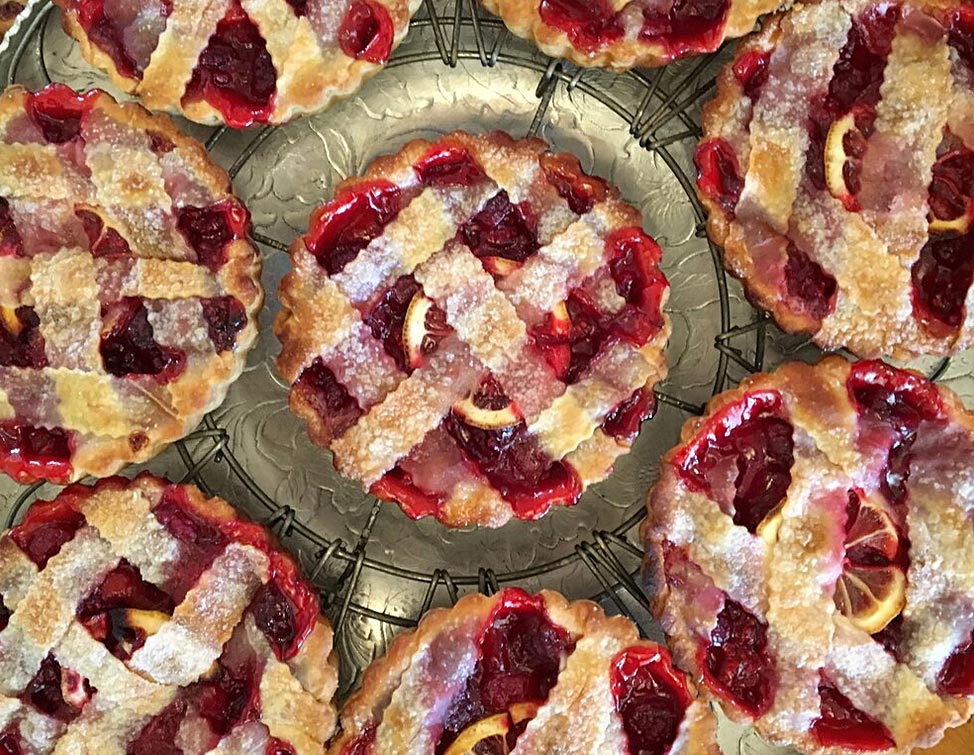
835, 158
414, 328
871, 596
492, 726
486, 419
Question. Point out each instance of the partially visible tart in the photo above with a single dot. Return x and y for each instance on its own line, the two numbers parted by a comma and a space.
9, 11
129, 288
519, 673
811, 540
474, 328
141, 617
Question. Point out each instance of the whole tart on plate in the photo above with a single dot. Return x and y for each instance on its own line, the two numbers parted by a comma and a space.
524, 673
811, 540
837, 165
128, 287
139, 616
624, 34
238, 62
473, 328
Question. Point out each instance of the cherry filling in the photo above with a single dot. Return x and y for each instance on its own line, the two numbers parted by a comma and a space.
624, 421
235, 73
10, 740
129, 348
345, 226
46, 527
960, 34
5, 614
397, 485
300, 7
57, 111
589, 24
387, 321
366, 32
210, 230
521, 655
11, 245
231, 697
811, 288
109, 28
957, 675
103, 241
29, 453
158, 736
719, 174
8, 11
449, 165
275, 616
841, 724
225, 317
21, 342
334, 406
651, 697
743, 457
58, 692
751, 71
576, 187
502, 230
688, 26
737, 659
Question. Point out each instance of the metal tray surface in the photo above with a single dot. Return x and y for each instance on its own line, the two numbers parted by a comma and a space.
458, 69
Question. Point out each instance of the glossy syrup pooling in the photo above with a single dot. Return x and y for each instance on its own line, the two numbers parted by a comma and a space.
366, 33
502, 230
719, 174
841, 724
738, 661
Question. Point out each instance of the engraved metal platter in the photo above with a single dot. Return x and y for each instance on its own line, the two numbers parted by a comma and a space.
459, 68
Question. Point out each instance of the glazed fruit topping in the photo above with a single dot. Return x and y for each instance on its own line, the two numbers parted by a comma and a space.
210, 230
11, 245
449, 165
158, 736
231, 697
651, 698
235, 73
738, 660
408, 323
951, 189
109, 25
957, 675
571, 336
502, 232
21, 342
580, 190
719, 174
624, 421
960, 33
10, 740
5, 614
687, 26
29, 453
57, 110
397, 485
345, 226
275, 616
103, 241
367, 32
751, 71
46, 528
843, 725
812, 289
225, 317
329, 398
58, 692
589, 24
128, 346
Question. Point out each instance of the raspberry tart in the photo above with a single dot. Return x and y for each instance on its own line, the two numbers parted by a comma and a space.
238, 62
837, 166
524, 673
141, 617
623, 34
128, 286
812, 544
474, 328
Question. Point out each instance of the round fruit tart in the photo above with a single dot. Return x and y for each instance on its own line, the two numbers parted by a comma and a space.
474, 328
812, 544
238, 62
128, 286
141, 617
524, 673
622, 34
837, 166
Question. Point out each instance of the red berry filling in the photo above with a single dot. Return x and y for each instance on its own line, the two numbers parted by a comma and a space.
275, 616
812, 289
29, 453
738, 661
449, 165
589, 24
21, 342
957, 675
388, 316
843, 725
743, 457
8, 11
103, 241
624, 421
688, 26
11, 244
57, 111
231, 696
235, 73
128, 346
502, 230
579, 189
651, 697
225, 317
58, 692
960, 33
300, 7
335, 407
158, 736
719, 174
345, 226
521, 653
10, 740
751, 71
397, 485
5, 615
366, 32
46, 527
210, 230
109, 26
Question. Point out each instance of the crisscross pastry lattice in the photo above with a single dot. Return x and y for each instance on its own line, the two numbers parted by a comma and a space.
812, 542
838, 168
238, 61
140, 617
128, 287
474, 328
524, 674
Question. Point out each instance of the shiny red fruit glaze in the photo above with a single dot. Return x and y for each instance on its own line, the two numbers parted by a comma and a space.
103, 241
952, 184
842, 725
330, 400
634, 263
231, 697
651, 697
811, 288
129, 348
225, 317
397, 485
957, 675
106, 33
46, 527
235, 73
158, 736
29, 453
502, 229
942, 276
576, 187
367, 32
449, 165
687, 26
46, 690
521, 652
11, 244
22, 345
57, 110
10, 738
209, 230
277, 747
896, 398
364, 743
751, 71
300, 7
342, 228
719, 174
388, 316
589, 24
624, 421
275, 616
570, 351
960, 33
737, 659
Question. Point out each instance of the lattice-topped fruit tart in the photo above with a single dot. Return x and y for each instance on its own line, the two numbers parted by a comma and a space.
812, 543
838, 168
519, 673
623, 34
128, 286
142, 617
238, 62
474, 328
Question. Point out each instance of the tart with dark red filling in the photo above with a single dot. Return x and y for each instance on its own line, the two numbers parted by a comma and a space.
624, 34
238, 62
841, 192
128, 285
473, 328
520, 673
812, 539
142, 616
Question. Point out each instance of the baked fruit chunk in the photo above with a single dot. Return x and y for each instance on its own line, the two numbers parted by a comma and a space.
128, 287
140, 617
524, 673
238, 62
624, 34
9, 11
811, 539
474, 328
